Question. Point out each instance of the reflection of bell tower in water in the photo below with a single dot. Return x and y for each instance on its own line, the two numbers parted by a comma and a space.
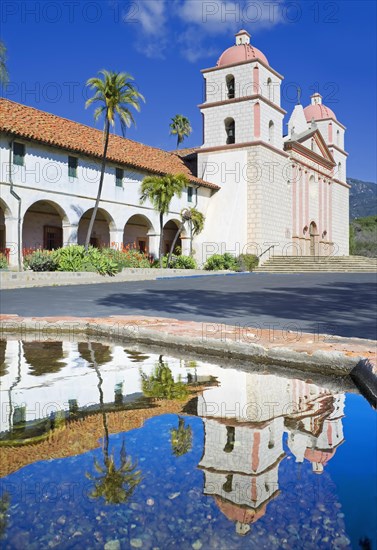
244, 424
240, 465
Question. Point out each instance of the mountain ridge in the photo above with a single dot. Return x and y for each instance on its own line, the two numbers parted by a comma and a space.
363, 198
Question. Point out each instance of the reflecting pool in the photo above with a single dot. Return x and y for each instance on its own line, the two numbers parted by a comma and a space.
109, 446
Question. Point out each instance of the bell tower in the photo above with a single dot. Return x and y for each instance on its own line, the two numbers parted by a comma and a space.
242, 98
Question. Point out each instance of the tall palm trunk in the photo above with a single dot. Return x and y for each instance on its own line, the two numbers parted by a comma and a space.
105, 445
179, 230
161, 253
103, 166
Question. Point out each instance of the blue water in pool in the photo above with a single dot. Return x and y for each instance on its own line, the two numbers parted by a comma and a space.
231, 471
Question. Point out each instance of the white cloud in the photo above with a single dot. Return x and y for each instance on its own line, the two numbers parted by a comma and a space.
151, 14
151, 18
199, 22
218, 17
193, 46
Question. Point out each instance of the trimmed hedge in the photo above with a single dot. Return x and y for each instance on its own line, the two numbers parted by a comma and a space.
218, 262
244, 262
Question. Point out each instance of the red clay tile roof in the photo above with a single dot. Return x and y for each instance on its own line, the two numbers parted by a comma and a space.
185, 152
30, 123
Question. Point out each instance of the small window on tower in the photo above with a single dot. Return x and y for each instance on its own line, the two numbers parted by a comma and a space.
230, 131
18, 154
271, 132
72, 166
119, 175
190, 192
230, 84
269, 89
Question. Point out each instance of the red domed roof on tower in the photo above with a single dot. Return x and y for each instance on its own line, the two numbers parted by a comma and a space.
317, 109
242, 51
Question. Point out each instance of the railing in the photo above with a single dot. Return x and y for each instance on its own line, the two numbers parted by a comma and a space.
264, 252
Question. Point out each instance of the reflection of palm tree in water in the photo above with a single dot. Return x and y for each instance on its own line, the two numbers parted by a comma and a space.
4, 506
114, 484
181, 438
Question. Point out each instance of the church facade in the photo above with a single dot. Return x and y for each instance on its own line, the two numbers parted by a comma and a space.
258, 189
288, 192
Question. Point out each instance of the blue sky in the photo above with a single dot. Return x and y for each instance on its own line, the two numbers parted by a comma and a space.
330, 47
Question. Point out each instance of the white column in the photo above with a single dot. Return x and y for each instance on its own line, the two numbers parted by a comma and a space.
153, 243
70, 233
185, 246
11, 236
116, 238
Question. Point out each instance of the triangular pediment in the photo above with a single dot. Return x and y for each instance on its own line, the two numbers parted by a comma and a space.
312, 143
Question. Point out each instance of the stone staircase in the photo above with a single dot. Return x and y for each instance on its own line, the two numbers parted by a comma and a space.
318, 264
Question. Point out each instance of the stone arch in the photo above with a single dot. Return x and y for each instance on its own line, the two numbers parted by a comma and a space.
170, 230
230, 130
230, 86
42, 226
314, 238
136, 232
5, 213
104, 223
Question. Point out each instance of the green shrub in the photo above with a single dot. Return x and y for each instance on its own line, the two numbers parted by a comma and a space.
177, 262
363, 236
41, 260
352, 240
247, 262
3, 261
161, 385
221, 261
183, 262
75, 258
128, 257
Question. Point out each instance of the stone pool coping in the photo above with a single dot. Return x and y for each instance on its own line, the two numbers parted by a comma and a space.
320, 353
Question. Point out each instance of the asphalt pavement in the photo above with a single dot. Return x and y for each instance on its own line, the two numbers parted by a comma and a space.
332, 303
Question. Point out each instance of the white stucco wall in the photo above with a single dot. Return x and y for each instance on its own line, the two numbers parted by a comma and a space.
269, 200
340, 217
44, 177
226, 212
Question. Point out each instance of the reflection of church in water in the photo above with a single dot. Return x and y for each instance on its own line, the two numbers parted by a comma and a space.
244, 430
245, 416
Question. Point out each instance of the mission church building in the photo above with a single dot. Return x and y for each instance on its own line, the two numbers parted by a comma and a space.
256, 187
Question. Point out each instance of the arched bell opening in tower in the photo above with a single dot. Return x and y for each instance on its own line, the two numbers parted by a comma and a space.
230, 131
230, 84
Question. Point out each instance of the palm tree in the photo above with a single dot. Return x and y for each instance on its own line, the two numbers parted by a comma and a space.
160, 190
196, 220
181, 127
4, 507
4, 77
181, 438
115, 485
115, 93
